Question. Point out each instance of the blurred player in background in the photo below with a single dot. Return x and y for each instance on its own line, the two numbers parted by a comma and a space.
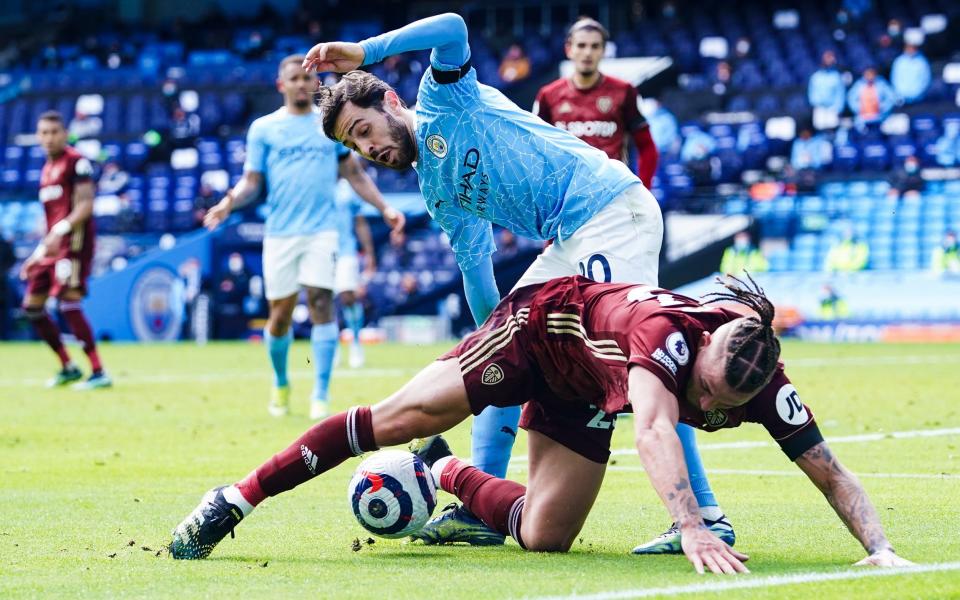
60, 265
353, 228
599, 109
480, 159
289, 154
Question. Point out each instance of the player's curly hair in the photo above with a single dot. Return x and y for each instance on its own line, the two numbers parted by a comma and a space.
358, 87
753, 349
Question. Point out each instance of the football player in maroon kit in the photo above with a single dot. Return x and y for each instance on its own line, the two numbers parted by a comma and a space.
60, 265
578, 352
599, 109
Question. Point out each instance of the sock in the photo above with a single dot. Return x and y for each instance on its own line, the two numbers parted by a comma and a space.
233, 496
494, 431
324, 446
497, 502
73, 314
323, 338
48, 331
698, 476
277, 349
353, 315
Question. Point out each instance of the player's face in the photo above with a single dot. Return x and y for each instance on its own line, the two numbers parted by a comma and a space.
585, 49
382, 136
52, 136
707, 388
296, 85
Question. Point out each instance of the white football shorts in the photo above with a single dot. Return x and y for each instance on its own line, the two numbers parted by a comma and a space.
348, 273
300, 260
620, 244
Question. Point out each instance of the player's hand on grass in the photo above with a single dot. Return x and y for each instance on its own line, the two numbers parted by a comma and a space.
218, 214
884, 558
338, 57
703, 549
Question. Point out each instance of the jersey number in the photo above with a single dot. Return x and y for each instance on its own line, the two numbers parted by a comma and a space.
588, 268
602, 420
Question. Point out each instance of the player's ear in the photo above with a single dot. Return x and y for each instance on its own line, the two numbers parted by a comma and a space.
279, 85
392, 101
705, 339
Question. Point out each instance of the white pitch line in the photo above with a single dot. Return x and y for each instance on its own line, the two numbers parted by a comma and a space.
743, 582
868, 361
843, 439
799, 473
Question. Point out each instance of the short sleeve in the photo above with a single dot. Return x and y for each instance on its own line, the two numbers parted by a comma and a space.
633, 119
470, 237
441, 98
82, 170
541, 107
660, 346
256, 149
778, 408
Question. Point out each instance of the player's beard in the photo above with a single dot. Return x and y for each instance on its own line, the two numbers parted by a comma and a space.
402, 138
301, 103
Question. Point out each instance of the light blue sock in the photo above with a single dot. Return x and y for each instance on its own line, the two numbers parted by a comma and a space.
353, 315
494, 431
698, 476
323, 339
277, 349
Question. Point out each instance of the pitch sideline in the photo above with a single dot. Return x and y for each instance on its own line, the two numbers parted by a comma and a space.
747, 582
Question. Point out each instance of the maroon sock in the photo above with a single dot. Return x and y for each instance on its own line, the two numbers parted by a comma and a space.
496, 502
73, 315
48, 332
322, 447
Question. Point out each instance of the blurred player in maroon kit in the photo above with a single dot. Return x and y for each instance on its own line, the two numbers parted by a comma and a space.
577, 352
599, 109
60, 265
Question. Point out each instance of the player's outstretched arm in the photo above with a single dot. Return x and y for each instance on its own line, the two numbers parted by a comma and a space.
445, 34
848, 498
361, 183
480, 287
237, 197
656, 413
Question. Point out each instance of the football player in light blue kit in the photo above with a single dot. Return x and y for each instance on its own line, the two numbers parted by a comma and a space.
481, 159
289, 154
352, 229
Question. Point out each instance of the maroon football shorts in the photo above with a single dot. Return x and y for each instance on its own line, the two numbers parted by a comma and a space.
67, 271
499, 371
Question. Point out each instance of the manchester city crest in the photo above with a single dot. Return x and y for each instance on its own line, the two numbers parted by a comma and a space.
437, 145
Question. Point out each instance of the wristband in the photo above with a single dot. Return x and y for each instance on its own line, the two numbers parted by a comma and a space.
62, 228
390, 213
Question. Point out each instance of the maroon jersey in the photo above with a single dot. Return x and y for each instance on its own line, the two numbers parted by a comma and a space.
58, 180
602, 116
567, 345
68, 266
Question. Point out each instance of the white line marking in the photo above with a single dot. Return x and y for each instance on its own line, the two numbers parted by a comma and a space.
869, 361
228, 376
743, 582
844, 439
799, 473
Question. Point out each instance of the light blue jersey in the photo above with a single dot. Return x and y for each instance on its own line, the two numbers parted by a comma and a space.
300, 166
348, 206
482, 159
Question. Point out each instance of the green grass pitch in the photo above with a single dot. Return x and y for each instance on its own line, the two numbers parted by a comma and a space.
92, 484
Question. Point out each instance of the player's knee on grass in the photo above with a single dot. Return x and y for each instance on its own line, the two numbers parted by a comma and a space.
544, 538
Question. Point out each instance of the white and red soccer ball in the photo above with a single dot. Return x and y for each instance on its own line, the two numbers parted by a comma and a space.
392, 494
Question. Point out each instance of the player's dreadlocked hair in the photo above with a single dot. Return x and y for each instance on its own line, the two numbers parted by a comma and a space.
753, 348
359, 87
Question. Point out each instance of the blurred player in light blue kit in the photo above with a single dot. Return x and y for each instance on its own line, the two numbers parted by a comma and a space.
288, 153
353, 229
481, 159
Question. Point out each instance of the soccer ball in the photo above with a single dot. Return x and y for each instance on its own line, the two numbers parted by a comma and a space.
392, 494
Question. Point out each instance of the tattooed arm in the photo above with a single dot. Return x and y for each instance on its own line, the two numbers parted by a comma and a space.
656, 414
848, 498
